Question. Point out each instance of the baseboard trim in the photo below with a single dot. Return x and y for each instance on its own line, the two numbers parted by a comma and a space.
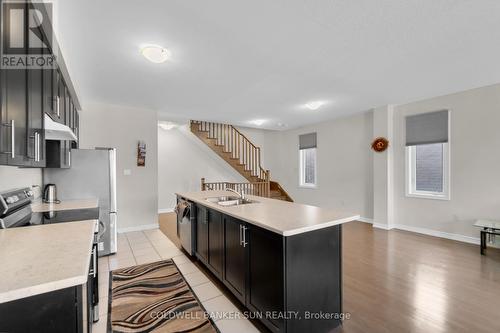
366, 220
382, 226
440, 234
138, 228
165, 210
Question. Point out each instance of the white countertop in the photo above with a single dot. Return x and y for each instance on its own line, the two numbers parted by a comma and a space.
41, 207
283, 217
39, 259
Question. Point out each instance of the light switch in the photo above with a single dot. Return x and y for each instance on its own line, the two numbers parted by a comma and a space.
127, 172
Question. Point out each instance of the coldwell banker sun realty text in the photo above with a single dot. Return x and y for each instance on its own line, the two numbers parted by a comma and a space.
27, 35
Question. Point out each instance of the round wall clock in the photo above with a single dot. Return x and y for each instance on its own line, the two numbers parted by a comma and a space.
380, 144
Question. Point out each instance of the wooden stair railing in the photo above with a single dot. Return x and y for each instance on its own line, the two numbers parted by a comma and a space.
261, 189
237, 150
234, 147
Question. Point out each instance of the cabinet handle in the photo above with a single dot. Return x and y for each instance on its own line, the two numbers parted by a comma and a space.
35, 146
241, 238
244, 231
39, 146
69, 157
58, 102
12, 151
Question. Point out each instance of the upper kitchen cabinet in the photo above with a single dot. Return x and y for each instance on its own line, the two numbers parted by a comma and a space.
14, 108
29, 91
35, 128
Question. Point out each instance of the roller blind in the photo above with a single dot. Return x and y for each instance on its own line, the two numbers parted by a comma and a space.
427, 128
307, 141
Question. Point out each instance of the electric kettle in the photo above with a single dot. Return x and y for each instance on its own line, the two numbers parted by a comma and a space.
50, 194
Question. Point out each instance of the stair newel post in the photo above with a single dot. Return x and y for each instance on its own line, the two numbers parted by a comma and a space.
268, 183
203, 184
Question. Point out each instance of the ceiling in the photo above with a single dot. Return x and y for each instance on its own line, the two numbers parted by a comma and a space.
236, 61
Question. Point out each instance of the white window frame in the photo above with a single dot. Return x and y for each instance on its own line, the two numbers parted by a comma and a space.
302, 184
411, 153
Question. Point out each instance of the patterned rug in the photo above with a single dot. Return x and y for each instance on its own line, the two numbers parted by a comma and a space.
155, 298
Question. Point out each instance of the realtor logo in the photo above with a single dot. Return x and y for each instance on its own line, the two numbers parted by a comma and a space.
27, 35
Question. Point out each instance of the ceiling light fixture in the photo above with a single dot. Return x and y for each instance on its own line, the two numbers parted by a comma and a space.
314, 105
155, 53
166, 125
258, 122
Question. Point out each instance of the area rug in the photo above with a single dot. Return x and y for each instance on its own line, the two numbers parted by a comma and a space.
154, 298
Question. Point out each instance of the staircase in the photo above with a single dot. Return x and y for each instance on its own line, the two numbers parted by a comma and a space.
237, 150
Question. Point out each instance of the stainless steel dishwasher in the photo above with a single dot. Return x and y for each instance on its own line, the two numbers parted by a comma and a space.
186, 223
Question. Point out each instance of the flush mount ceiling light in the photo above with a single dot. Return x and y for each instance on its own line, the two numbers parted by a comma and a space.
155, 53
166, 125
257, 122
315, 105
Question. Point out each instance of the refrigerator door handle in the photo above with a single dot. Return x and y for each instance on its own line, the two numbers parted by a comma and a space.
112, 179
112, 233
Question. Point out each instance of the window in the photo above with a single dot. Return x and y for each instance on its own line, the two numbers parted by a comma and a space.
428, 171
427, 155
308, 167
307, 156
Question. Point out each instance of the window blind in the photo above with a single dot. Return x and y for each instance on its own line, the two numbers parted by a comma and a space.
307, 141
427, 128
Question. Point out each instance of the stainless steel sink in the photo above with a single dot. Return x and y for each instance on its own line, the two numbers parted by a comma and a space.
229, 201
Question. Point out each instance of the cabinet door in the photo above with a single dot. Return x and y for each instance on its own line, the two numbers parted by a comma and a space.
265, 274
235, 267
36, 143
56, 95
14, 117
202, 234
215, 238
49, 94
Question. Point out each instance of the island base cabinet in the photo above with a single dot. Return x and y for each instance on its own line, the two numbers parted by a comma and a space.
60, 311
289, 283
215, 245
265, 292
295, 281
235, 257
202, 234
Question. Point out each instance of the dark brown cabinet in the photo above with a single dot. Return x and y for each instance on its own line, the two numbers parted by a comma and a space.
280, 278
35, 128
209, 239
202, 234
14, 117
265, 292
215, 241
26, 95
235, 253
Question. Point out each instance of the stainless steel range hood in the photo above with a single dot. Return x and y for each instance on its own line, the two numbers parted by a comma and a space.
57, 131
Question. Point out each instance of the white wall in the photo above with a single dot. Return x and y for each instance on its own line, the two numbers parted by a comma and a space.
183, 160
122, 128
475, 164
13, 177
345, 176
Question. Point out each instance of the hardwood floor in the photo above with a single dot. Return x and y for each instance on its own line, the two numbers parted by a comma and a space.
396, 281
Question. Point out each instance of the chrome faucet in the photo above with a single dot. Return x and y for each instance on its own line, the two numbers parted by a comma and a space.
241, 195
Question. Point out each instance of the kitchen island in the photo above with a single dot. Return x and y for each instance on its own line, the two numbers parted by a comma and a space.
282, 260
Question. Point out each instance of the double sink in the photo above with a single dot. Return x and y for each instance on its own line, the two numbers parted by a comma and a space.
229, 201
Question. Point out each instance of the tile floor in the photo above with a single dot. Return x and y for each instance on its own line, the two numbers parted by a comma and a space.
152, 245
